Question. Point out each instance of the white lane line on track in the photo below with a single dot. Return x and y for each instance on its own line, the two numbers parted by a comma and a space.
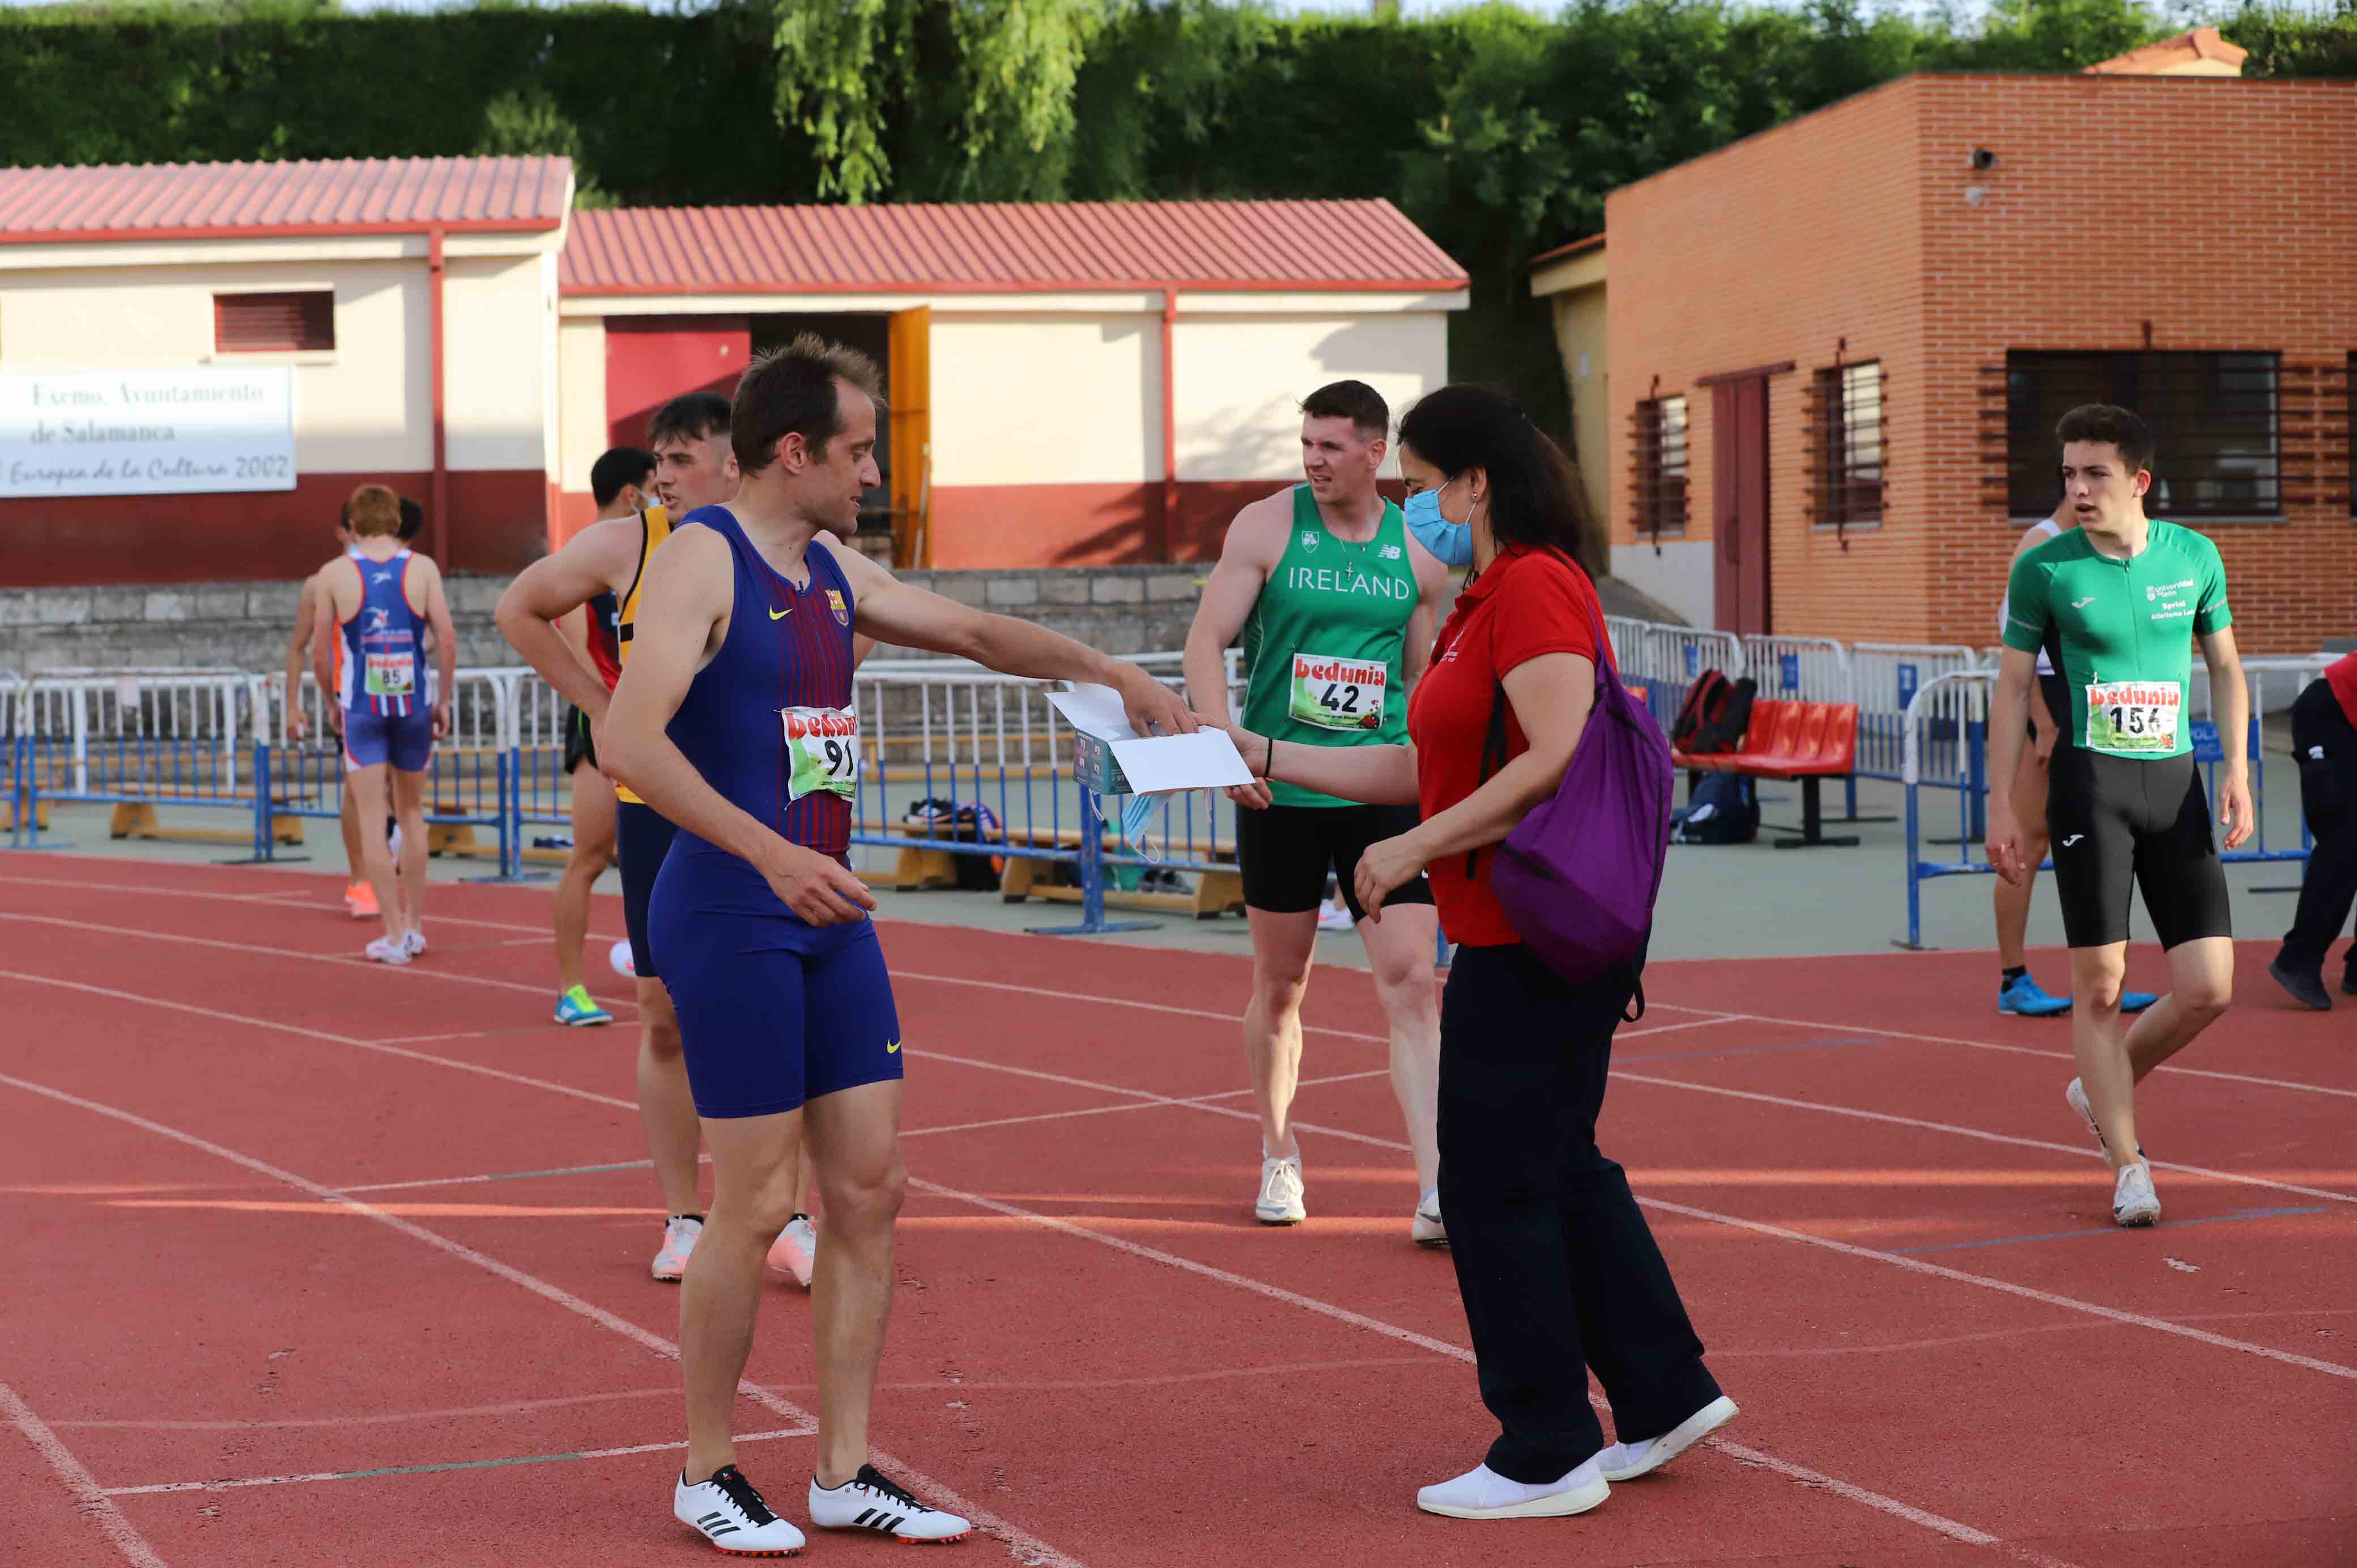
440, 1468
1034, 1551
1802, 1474
91, 1500
1710, 1016
1894, 1259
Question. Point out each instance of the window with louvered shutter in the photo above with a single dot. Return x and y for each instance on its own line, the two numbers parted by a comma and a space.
1657, 473
2217, 417
1844, 416
275, 323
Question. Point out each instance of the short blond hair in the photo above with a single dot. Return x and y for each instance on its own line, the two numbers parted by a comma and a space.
372, 510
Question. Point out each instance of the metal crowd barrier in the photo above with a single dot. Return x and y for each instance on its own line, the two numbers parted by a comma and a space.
1946, 746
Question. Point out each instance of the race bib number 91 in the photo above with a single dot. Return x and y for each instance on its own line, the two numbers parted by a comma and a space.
1337, 693
822, 751
2132, 718
390, 676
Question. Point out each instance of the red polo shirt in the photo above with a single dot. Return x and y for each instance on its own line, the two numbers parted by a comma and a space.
1528, 603
2340, 675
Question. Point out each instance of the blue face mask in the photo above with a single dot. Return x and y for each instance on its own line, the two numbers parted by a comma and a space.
1451, 543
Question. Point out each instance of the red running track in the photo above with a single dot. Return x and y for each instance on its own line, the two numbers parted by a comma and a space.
314, 1262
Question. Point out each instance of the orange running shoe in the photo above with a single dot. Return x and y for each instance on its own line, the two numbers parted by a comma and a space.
361, 899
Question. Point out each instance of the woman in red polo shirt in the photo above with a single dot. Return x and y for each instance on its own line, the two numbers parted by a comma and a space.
1558, 1267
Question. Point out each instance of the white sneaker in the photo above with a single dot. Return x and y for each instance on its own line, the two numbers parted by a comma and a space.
387, 952
795, 1251
1425, 1229
679, 1239
415, 943
2133, 1201
731, 1515
1280, 1192
1482, 1493
2077, 1095
1331, 919
1627, 1461
624, 964
868, 1501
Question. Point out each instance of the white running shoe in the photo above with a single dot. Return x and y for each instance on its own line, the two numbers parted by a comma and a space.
679, 1239
1280, 1193
795, 1251
1627, 1461
1332, 919
415, 943
1425, 1229
2077, 1095
2133, 1201
868, 1501
731, 1515
387, 952
1482, 1493
620, 956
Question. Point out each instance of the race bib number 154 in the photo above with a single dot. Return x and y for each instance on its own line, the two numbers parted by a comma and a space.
822, 751
2132, 718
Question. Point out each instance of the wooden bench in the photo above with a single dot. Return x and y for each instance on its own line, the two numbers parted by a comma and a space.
1810, 742
1216, 892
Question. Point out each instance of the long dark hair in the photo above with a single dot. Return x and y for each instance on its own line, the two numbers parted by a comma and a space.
1535, 498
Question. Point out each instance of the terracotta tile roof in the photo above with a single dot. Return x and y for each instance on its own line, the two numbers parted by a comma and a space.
2184, 53
1564, 253
349, 195
1002, 247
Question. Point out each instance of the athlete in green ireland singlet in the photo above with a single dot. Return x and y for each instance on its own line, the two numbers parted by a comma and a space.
1338, 607
2116, 604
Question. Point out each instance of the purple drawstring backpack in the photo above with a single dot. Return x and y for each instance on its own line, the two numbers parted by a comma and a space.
1578, 876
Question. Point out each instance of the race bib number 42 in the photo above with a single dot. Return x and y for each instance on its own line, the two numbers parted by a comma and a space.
2132, 718
390, 676
1337, 693
822, 751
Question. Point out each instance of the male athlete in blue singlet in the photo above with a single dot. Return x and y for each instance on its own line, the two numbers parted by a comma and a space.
377, 605
734, 720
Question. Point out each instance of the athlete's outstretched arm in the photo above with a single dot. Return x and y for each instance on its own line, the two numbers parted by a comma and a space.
446, 646
2230, 704
2016, 672
896, 612
690, 585
1424, 623
1377, 775
595, 561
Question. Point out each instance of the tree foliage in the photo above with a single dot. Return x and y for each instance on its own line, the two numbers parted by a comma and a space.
1498, 130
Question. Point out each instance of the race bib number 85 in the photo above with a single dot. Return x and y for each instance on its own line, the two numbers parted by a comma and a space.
2132, 718
390, 676
1337, 693
822, 751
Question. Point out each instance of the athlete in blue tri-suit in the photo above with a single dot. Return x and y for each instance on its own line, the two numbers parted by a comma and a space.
734, 720
376, 602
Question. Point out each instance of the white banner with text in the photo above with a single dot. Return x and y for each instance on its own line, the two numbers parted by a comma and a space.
146, 433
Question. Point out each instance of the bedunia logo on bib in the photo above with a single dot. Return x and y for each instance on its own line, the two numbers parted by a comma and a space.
1353, 672
809, 724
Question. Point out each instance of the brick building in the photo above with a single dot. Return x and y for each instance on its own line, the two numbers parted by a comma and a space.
1837, 350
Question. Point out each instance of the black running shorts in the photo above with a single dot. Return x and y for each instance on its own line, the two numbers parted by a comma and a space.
643, 836
2114, 821
1286, 852
580, 746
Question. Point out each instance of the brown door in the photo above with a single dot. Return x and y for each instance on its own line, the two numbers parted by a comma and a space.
1738, 443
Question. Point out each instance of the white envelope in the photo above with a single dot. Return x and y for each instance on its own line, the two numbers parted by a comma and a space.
1153, 765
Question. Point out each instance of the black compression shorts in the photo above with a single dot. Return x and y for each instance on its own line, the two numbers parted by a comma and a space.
643, 836
2114, 821
1286, 851
580, 746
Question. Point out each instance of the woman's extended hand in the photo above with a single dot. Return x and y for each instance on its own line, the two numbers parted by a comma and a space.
1253, 749
1385, 866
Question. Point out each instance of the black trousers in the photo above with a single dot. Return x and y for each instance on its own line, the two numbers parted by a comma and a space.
1554, 1260
2326, 747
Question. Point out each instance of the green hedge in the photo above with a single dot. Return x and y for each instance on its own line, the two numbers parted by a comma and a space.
1498, 130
